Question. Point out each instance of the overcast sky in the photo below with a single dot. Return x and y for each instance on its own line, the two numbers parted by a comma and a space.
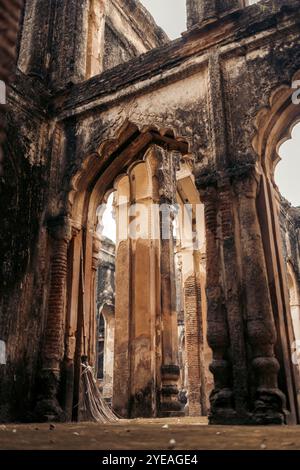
169, 14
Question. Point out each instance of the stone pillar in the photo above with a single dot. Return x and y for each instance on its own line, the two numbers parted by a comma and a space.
268, 400
194, 12
202, 10
93, 312
73, 288
221, 398
122, 323
54, 40
192, 319
230, 268
121, 383
69, 44
109, 316
34, 47
143, 304
52, 349
96, 30
170, 372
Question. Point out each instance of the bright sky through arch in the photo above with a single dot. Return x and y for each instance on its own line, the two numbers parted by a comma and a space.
287, 174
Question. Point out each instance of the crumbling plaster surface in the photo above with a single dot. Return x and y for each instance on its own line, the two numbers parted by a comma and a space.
250, 70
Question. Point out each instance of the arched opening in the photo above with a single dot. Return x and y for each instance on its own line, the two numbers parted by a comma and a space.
124, 208
288, 168
105, 295
190, 260
280, 228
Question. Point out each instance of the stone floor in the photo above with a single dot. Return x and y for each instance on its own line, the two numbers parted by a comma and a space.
188, 433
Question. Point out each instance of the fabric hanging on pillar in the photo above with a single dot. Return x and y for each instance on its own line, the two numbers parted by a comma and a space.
92, 405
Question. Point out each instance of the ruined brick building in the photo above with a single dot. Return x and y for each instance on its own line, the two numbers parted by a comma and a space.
103, 102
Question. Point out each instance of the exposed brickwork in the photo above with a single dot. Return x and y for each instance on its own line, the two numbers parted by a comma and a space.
217, 327
231, 286
269, 401
10, 11
193, 340
52, 350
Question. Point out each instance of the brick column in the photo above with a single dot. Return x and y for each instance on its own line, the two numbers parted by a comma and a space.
123, 289
71, 366
93, 313
193, 342
233, 297
268, 400
221, 398
170, 372
52, 349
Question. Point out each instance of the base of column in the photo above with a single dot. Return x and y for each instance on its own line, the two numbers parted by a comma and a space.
121, 412
268, 418
269, 407
232, 417
170, 405
224, 417
172, 414
142, 403
48, 408
229, 417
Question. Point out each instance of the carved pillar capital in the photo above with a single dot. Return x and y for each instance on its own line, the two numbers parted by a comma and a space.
76, 227
60, 228
166, 174
189, 159
248, 186
208, 194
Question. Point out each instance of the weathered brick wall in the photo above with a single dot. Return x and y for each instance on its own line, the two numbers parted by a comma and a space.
194, 347
192, 340
9, 26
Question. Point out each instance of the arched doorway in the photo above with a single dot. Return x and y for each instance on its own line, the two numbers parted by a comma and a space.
140, 169
274, 126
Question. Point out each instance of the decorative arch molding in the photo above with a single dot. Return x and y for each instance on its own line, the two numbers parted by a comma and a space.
274, 125
99, 170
